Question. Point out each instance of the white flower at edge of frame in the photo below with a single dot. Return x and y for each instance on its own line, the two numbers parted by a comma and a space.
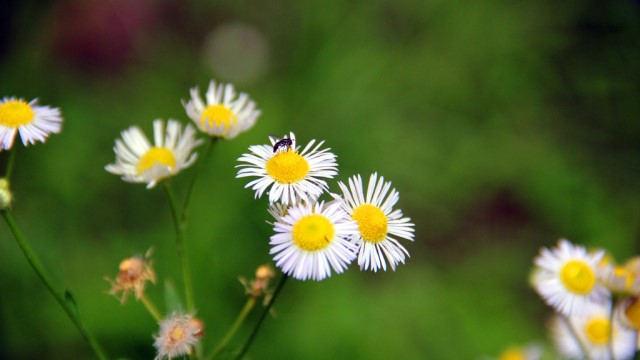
596, 333
566, 278
33, 122
313, 239
289, 174
140, 162
222, 115
378, 222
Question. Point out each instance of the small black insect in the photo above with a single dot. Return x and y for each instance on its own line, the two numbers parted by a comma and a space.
288, 143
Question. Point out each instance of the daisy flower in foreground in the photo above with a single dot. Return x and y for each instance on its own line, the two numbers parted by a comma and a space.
566, 279
312, 239
222, 114
595, 334
178, 335
378, 223
289, 173
140, 162
32, 121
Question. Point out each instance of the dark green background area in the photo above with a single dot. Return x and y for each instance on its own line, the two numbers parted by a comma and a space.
504, 125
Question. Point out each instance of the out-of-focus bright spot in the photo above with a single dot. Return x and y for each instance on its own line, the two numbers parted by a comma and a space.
236, 52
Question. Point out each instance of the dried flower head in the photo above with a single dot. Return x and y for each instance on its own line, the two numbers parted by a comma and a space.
259, 286
179, 333
134, 273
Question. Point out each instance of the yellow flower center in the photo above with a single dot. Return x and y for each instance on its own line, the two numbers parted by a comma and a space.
218, 115
287, 167
512, 354
313, 232
156, 155
15, 113
177, 333
372, 222
578, 277
632, 312
598, 331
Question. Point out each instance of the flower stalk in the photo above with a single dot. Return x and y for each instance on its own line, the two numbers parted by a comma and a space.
265, 311
63, 297
182, 254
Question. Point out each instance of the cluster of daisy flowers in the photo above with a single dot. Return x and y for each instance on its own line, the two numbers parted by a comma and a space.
222, 114
313, 237
596, 301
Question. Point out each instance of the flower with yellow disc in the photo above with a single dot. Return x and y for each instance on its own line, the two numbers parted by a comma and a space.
138, 161
32, 121
566, 278
222, 114
289, 174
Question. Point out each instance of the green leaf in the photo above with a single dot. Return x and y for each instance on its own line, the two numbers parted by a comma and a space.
171, 297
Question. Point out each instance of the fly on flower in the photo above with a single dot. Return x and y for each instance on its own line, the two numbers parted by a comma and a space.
289, 175
284, 144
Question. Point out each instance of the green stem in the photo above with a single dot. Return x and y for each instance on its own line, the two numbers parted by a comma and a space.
12, 157
151, 308
182, 254
247, 344
199, 169
573, 332
248, 306
64, 298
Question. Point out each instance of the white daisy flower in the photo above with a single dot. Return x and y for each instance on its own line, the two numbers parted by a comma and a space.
178, 335
595, 335
32, 121
140, 162
628, 312
379, 225
222, 115
622, 280
289, 173
312, 239
566, 278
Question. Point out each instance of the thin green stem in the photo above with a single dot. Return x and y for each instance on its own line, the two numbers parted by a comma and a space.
12, 158
64, 298
153, 310
247, 344
573, 332
248, 306
199, 169
182, 254
610, 345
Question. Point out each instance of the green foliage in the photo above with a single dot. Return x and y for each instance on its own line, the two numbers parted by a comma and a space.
504, 125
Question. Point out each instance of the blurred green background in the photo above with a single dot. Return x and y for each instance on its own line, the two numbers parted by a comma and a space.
504, 125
